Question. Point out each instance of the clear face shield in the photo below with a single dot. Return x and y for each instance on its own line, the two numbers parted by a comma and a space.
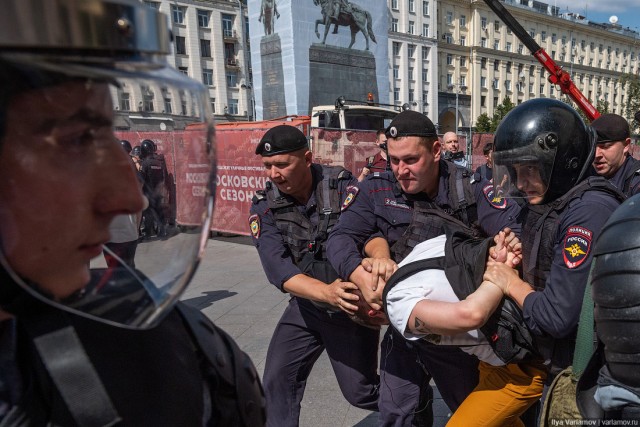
521, 173
84, 226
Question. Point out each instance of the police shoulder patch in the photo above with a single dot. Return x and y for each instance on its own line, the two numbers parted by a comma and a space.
494, 200
352, 192
577, 244
254, 225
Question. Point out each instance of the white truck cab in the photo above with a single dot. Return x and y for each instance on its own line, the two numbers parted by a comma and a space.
348, 114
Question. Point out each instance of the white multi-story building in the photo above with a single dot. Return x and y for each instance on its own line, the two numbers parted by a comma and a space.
413, 65
481, 61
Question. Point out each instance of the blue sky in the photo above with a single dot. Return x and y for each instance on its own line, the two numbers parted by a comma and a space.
627, 11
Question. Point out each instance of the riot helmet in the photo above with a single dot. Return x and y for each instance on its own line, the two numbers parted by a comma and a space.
147, 148
136, 151
64, 177
548, 144
126, 145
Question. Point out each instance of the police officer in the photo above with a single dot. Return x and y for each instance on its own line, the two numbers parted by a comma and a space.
404, 207
82, 344
153, 172
289, 223
452, 149
545, 151
612, 159
380, 161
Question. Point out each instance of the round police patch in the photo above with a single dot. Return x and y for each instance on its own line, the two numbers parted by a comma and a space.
254, 225
577, 244
352, 192
493, 199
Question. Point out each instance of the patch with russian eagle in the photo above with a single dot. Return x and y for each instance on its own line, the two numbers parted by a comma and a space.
577, 244
352, 192
494, 200
254, 225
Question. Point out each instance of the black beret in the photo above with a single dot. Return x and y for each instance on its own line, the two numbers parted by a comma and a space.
611, 127
281, 139
411, 123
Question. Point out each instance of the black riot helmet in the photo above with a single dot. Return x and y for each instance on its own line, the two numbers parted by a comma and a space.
135, 151
547, 134
147, 148
126, 145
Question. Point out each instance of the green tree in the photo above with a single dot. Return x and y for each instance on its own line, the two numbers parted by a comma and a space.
631, 89
483, 123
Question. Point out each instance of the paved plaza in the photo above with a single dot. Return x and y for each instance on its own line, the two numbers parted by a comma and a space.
231, 289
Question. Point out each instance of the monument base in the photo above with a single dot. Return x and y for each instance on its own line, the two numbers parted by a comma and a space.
273, 103
336, 71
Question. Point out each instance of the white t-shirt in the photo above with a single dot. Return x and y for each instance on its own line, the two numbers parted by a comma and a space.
433, 285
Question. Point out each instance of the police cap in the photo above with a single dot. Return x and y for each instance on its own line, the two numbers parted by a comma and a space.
411, 123
281, 139
611, 128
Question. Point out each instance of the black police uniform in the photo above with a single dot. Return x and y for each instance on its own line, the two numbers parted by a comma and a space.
380, 208
289, 238
557, 239
153, 173
61, 369
627, 178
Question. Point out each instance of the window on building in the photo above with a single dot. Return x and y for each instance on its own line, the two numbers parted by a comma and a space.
449, 79
573, 42
463, 81
177, 12
448, 38
483, 101
483, 81
227, 25
396, 72
232, 79
495, 83
412, 6
507, 84
496, 25
207, 76
168, 109
463, 20
212, 102
125, 103
425, 75
483, 23
152, 4
495, 101
483, 42
203, 18
181, 45
396, 94
554, 38
205, 48
463, 61
483, 63
411, 95
396, 48
508, 46
508, 66
532, 70
412, 27
463, 40
425, 30
394, 4
233, 107
425, 8
543, 36
410, 73
184, 70
541, 88
532, 33
520, 48
531, 88
496, 64
425, 53
411, 49
496, 44
394, 25
449, 59
230, 53
449, 17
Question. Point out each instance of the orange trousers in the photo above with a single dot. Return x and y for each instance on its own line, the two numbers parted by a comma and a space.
502, 395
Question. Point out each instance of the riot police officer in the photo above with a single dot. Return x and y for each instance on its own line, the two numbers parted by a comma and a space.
154, 176
413, 203
81, 343
543, 152
289, 224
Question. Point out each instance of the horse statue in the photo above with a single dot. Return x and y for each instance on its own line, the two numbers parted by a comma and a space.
268, 12
349, 15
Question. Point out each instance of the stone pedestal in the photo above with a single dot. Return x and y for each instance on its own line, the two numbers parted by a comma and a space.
336, 71
273, 103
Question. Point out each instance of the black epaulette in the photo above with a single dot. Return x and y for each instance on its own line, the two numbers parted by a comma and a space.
345, 174
259, 196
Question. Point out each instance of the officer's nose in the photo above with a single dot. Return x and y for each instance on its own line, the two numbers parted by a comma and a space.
119, 191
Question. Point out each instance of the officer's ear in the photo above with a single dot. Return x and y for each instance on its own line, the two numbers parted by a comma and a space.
308, 158
436, 150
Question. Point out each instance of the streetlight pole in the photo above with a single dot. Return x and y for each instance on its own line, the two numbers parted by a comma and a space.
457, 87
252, 102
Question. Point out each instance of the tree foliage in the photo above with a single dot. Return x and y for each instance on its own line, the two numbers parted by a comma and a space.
483, 123
631, 89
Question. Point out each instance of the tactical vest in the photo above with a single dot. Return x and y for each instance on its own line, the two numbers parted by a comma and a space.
429, 220
540, 227
464, 264
635, 171
81, 372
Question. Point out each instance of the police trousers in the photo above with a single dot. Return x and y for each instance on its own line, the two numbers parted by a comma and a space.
406, 368
503, 394
302, 334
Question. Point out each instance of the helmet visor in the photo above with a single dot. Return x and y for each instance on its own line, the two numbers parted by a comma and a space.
522, 173
85, 226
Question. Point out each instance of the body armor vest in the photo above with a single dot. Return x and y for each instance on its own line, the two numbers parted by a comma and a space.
630, 175
429, 219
